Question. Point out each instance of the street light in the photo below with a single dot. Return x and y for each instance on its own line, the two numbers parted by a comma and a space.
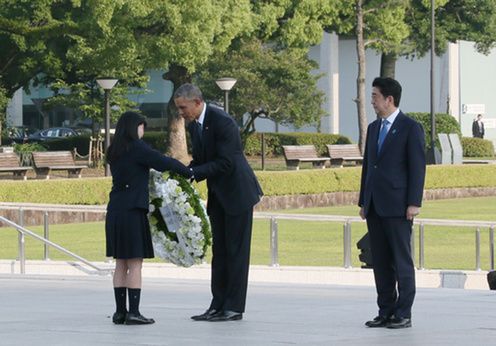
226, 84
433, 155
107, 84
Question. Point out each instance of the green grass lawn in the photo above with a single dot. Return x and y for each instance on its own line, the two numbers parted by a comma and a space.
302, 243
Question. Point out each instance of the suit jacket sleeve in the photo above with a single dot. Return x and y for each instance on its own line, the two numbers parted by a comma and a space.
154, 159
226, 147
361, 200
416, 165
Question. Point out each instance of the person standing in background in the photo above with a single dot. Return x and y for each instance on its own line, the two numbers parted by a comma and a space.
478, 127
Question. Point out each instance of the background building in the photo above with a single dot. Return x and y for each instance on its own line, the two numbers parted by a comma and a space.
465, 82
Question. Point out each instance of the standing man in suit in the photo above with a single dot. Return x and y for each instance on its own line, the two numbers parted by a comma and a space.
233, 190
391, 191
478, 127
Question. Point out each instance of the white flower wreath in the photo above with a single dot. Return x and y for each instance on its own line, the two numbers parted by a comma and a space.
178, 220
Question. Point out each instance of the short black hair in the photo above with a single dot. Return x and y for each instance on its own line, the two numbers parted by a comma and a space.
388, 87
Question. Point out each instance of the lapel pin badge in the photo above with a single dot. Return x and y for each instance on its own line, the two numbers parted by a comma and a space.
394, 131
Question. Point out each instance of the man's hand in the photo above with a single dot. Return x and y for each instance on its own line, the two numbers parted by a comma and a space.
412, 211
362, 213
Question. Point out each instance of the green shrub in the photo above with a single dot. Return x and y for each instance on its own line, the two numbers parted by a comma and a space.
275, 141
94, 191
81, 143
477, 147
157, 140
86, 191
445, 123
25, 152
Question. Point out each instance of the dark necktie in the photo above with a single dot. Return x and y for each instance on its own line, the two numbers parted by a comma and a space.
382, 134
198, 128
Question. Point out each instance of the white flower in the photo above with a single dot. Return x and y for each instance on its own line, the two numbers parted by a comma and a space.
189, 249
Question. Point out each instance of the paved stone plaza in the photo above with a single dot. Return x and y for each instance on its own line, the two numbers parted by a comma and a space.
55, 310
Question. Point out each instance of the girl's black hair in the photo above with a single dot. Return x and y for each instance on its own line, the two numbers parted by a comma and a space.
126, 131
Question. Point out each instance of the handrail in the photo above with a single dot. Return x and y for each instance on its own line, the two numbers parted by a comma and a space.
344, 218
23, 231
347, 220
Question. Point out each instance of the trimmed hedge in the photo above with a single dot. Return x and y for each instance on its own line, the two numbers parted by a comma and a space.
86, 191
275, 141
445, 123
94, 191
477, 147
81, 143
156, 139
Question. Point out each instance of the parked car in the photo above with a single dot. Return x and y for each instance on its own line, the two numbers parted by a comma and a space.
51, 133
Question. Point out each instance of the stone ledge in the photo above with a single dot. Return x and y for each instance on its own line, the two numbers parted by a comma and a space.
58, 214
258, 273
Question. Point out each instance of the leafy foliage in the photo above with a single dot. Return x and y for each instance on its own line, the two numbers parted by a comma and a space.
477, 147
445, 123
275, 141
271, 83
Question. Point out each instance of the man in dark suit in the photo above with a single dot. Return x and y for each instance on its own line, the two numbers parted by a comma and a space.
478, 127
233, 190
391, 191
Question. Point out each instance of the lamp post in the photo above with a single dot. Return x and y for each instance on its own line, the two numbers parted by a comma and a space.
107, 84
225, 84
433, 155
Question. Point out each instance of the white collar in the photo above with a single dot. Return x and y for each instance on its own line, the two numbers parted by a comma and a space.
201, 119
390, 118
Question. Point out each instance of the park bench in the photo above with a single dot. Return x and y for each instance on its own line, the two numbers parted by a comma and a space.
46, 161
344, 153
9, 162
295, 154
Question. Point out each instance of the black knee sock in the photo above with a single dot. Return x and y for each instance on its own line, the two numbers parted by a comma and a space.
134, 299
120, 299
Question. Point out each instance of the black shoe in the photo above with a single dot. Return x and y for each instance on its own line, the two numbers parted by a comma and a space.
399, 322
226, 315
138, 318
378, 322
119, 317
205, 316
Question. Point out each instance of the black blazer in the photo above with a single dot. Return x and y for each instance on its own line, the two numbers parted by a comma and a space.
218, 157
130, 175
476, 131
394, 179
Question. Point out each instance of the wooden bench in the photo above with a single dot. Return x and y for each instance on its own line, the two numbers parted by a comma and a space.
47, 161
9, 162
344, 153
295, 154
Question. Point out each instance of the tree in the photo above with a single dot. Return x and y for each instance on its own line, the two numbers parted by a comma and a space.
377, 24
470, 20
272, 83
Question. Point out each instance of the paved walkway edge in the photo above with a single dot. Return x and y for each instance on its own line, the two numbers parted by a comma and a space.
283, 274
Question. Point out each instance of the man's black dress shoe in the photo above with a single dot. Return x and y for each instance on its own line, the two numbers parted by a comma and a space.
378, 322
226, 315
205, 316
399, 322
119, 317
132, 318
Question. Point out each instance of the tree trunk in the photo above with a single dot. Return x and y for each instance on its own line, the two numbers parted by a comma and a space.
176, 133
360, 100
388, 65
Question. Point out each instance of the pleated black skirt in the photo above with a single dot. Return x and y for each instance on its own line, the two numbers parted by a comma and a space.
127, 233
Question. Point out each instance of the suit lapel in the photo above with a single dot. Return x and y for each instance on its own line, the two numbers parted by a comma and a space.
393, 132
373, 136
